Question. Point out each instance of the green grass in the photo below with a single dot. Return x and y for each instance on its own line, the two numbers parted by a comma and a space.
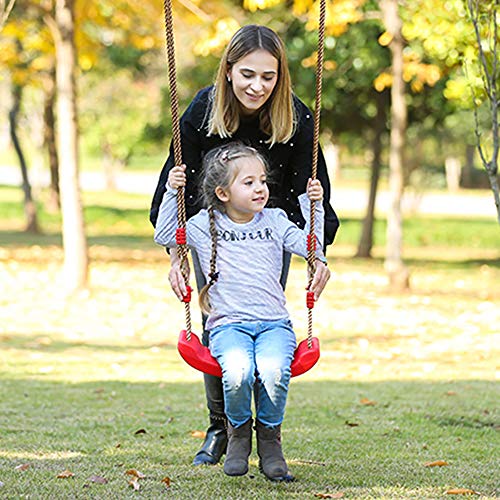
80, 375
109, 214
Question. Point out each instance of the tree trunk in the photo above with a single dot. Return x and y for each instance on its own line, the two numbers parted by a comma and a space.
397, 271
468, 170
452, 169
365, 244
74, 240
29, 203
49, 135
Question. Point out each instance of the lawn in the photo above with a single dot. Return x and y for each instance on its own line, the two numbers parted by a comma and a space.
92, 384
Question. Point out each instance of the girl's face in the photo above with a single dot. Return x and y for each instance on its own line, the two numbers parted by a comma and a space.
253, 80
248, 193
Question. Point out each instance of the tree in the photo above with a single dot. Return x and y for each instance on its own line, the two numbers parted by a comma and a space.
398, 273
73, 230
484, 19
29, 203
5, 9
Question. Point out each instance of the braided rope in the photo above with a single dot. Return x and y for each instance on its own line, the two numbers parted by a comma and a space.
311, 254
176, 139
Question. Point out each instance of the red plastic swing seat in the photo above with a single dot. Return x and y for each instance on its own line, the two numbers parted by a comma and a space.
195, 354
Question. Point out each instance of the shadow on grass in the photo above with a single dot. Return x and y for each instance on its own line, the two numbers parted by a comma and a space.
332, 441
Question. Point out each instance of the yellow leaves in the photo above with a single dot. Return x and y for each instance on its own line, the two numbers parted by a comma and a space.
339, 14
415, 72
367, 402
436, 463
385, 39
302, 6
219, 37
254, 5
462, 491
135, 475
198, 434
312, 61
382, 81
65, 474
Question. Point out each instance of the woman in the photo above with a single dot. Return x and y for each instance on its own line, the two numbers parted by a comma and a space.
251, 101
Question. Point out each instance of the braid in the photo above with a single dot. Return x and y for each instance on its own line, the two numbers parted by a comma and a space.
213, 275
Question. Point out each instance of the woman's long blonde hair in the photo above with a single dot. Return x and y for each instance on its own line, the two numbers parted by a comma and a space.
277, 116
220, 168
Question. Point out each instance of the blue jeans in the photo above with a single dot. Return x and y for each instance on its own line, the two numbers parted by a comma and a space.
254, 354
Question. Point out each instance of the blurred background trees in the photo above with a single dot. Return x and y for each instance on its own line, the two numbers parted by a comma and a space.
123, 110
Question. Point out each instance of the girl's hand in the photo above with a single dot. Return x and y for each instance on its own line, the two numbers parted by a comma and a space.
175, 276
320, 279
314, 190
177, 177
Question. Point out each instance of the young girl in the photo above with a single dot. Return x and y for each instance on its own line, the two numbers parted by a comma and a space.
251, 101
240, 246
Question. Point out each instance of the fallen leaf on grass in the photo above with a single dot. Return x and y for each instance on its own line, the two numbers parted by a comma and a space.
462, 491
339, 494
367, 402
198, 434
65, 474
450, 393
436, 463
23, 467
98, 479
166, 480
308, 462
140, 431
134, 482
135, 473
351, 424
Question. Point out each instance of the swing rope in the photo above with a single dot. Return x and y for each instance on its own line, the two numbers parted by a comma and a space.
311, 247
176, 139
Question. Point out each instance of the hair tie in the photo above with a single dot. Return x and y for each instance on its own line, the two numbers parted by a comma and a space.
213, 277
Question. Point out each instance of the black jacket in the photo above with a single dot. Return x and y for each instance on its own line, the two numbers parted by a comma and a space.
290, 163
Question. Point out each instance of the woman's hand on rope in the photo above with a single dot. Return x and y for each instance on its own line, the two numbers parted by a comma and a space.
314, 190
175, 276
177, 177
320, 279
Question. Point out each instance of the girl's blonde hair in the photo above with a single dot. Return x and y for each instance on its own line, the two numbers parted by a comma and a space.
220, 168
277, 116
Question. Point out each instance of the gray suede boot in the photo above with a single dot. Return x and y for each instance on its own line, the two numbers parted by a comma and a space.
271, 460
239, 447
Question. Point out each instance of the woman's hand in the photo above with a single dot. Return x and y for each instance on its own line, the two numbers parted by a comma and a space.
314, 190
320, 279
177, 177
175, 276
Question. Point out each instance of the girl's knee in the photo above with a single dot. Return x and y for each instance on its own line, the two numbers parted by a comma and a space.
238, 370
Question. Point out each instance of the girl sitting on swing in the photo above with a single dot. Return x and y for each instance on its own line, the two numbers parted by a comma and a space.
240, 246
252, 101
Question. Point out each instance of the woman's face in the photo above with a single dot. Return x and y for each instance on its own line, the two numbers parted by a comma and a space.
253, 79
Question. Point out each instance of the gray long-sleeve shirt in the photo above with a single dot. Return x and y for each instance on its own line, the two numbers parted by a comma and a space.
249, 257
